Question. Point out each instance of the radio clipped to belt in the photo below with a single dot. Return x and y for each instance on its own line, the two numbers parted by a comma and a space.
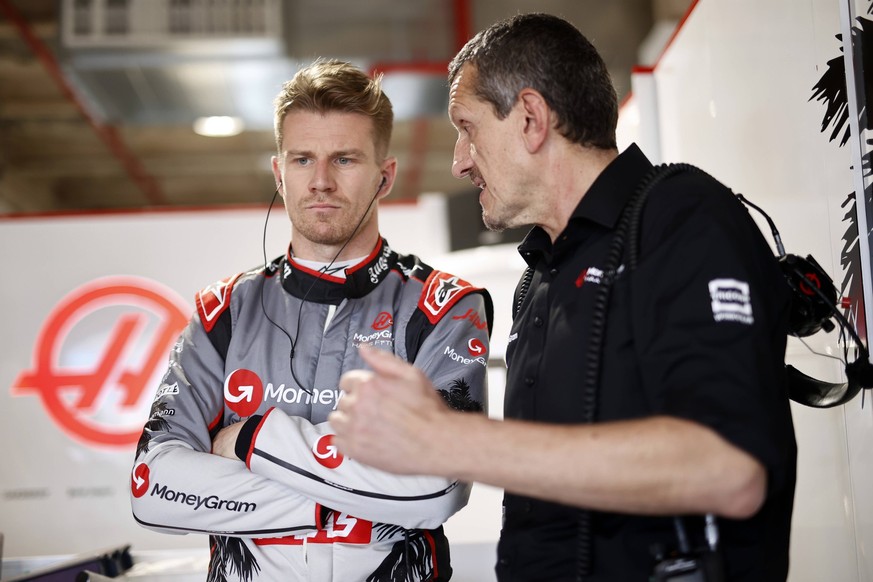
687, 564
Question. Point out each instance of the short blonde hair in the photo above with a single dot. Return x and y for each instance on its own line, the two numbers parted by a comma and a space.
333, 85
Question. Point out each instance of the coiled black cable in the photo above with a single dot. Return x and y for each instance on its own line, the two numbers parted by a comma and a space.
628, 228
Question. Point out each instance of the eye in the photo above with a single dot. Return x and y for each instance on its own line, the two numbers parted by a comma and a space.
343, 161
300, 161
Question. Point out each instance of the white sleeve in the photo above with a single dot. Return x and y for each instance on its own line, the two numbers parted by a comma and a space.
317, 470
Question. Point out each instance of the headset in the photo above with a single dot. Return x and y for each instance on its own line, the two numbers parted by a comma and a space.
813, 306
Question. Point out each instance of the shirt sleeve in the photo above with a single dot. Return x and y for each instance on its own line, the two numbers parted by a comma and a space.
709, 309
178, 486
294, 452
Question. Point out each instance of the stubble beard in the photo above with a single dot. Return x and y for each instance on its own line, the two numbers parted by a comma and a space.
326, 231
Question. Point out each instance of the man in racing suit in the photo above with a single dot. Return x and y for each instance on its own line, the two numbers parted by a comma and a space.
238, 445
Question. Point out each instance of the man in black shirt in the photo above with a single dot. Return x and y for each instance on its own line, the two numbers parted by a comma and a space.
646, 406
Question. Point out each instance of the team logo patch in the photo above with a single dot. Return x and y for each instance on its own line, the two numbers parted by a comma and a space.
473, 316
139, 480
326, 453
213, 300
383, 321
476, 347
594, 276
731, 301
441, 292
243, 392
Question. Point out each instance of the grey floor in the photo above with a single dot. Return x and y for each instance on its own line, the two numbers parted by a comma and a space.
471, 562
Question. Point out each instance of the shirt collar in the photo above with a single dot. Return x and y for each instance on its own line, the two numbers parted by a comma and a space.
601, 204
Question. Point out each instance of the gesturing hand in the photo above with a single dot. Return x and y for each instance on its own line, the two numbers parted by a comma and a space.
391, 417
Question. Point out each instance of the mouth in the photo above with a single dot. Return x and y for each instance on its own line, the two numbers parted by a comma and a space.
478, 182
321, 206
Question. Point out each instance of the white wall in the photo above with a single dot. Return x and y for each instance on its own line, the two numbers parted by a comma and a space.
732, 95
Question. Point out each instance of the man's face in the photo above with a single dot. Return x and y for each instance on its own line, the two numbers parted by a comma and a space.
329, 175
484, 152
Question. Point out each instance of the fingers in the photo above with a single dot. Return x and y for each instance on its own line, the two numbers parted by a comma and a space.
384, 363
351, 381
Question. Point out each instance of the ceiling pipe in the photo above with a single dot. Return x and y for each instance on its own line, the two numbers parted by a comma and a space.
108, 134
411, 186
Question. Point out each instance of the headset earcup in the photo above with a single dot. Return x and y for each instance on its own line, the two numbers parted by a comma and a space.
809, 311
808, 391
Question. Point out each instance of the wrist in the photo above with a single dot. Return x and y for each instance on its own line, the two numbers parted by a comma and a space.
246, 437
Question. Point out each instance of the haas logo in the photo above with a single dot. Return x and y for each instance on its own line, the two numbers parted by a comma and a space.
243, 392
99, 356
326, 452
383, 321
139, 480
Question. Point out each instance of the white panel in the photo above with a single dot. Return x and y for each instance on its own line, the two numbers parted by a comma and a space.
733, 97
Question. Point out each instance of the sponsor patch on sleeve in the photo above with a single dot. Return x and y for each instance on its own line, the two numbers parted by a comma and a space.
731, 301
441, 292
213, 300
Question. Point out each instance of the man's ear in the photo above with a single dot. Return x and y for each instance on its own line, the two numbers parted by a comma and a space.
389, 174
277, 175
537, 118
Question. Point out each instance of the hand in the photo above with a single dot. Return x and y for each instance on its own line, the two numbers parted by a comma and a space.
390, 418
224, 443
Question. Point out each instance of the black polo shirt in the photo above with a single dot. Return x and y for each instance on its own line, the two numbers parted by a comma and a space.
696, 331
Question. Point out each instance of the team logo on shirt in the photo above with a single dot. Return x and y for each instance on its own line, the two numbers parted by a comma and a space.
139, 480
450, 353
326, 453
473, 317
383, 321
476, 347
731, 301
243, 392
594, 276
382, 339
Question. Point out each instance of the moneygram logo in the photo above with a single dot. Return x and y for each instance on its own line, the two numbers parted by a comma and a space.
326, 453
99, 355
139, 480
243, 392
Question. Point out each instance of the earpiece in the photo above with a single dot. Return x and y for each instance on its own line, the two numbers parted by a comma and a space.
382, 183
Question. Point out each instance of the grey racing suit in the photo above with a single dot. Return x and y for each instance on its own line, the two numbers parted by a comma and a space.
267, 347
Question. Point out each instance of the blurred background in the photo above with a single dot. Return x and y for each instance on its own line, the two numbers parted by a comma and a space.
99, 98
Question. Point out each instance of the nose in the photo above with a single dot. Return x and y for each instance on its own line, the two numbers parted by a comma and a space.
462, 162
321, 179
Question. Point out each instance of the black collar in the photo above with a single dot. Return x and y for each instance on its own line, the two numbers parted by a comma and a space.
304, 283
601, 204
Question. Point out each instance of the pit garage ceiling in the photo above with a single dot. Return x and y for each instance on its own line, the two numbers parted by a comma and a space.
98, 97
